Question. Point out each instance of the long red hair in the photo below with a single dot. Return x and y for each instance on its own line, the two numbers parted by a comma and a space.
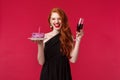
65, 32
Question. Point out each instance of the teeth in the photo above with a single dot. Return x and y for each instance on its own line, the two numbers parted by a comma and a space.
57, 24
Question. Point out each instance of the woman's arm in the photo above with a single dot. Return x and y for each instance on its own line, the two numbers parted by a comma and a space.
75, 51
40, 55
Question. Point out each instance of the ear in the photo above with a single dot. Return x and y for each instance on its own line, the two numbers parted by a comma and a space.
51, 27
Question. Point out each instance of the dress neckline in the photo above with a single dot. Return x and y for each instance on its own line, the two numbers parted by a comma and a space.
52, 38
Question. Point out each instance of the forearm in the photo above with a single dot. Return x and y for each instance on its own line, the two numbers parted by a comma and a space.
75, 51
40, 55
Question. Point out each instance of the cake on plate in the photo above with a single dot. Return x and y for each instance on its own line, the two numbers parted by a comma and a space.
38, 35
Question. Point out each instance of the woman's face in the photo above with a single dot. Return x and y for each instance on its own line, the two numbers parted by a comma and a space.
56, 21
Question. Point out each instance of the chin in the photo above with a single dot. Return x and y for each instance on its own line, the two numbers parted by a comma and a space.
58, 29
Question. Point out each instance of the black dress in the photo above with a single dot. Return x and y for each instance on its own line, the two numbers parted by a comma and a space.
56, 66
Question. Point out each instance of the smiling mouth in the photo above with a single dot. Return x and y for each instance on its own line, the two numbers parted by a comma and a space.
57, 25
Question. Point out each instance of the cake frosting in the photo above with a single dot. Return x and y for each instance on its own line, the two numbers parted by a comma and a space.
38, 35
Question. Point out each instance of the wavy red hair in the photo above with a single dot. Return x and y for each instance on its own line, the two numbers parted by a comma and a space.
65, 32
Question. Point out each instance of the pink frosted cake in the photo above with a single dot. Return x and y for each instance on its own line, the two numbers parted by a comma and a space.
38, 35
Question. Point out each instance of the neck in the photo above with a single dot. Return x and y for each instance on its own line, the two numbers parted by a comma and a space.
55, 32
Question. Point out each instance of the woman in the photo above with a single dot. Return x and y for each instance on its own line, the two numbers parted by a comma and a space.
58, 48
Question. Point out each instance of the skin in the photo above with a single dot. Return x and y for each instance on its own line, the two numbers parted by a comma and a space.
56, 24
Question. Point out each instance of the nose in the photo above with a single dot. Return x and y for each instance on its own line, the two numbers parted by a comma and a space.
56, 21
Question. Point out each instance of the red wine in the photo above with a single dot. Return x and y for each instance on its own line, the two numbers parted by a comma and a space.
79, 27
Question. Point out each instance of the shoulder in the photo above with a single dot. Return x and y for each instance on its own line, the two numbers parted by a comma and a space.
47, 36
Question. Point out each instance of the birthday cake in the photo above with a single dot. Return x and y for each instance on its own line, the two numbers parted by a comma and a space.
38, 35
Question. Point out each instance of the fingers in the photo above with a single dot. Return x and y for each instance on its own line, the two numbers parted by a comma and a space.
79, 33
37, 41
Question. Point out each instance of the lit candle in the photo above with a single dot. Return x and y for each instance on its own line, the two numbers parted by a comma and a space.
39, 29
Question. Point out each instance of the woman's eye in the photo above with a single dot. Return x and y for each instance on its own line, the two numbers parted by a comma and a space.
59, 18
56, 18
53, 18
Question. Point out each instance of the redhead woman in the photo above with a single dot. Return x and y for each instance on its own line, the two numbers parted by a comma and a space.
58, 48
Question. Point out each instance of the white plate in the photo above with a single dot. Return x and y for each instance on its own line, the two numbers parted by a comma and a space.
36, 38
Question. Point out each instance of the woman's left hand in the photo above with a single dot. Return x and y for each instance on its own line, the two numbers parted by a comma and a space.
79, 35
